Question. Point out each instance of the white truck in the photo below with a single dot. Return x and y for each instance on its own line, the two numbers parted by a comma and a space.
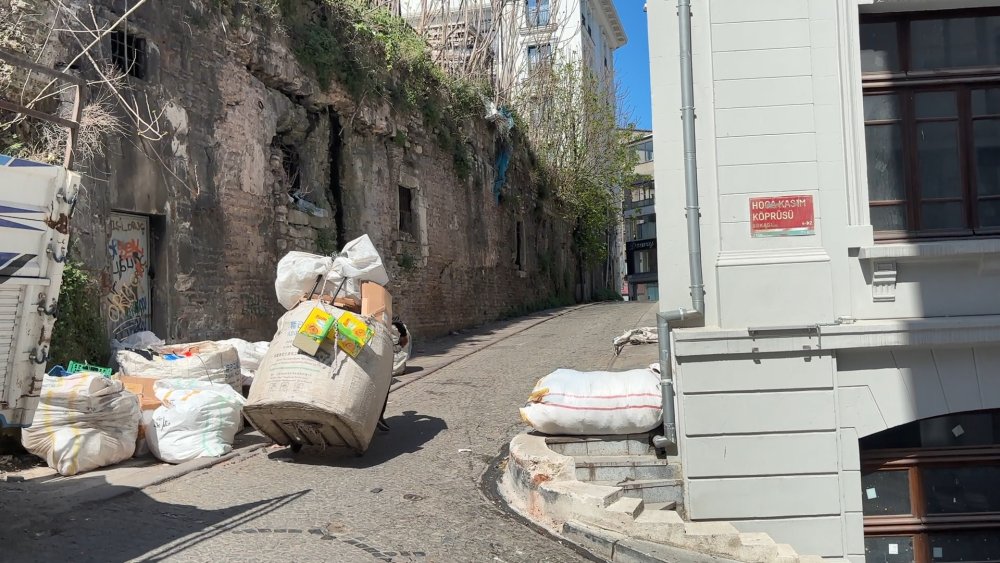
35, 205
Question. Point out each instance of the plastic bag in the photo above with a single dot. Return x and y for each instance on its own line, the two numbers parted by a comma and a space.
139, 341
600, 403
197, 419
297, 272
83, 421
401, 347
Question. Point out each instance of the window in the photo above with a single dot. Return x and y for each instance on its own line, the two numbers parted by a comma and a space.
932, 123
539, 55
928, 490
640, 229
406, 223
641, 194
128, 53
645, 151
537, 12
643, 261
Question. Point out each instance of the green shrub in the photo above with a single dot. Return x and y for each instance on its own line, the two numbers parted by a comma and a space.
79, 333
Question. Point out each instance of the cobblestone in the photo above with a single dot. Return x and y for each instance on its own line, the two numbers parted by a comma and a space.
414, 496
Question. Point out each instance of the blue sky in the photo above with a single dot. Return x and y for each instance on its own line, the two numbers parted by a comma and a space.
632, 63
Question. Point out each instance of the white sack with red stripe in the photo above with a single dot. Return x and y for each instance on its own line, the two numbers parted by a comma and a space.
599, 402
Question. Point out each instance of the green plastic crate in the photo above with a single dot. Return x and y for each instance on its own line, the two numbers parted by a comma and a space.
77, 367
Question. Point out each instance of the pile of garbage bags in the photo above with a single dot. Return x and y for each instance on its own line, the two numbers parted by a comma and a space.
184, 401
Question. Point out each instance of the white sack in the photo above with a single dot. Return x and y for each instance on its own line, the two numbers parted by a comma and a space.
209, 361
83, 421
197, 419
250, 353
600, 403
359, 261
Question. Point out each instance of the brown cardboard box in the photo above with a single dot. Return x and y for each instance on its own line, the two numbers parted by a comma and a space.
376, 302
143, 387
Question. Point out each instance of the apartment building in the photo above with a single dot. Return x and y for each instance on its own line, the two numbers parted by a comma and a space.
639, 220
522, 34
839, 386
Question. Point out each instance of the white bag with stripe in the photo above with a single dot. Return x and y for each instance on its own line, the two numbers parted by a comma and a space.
83, 421
595, 403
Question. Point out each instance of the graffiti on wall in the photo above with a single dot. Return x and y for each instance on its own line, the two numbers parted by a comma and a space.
126, 283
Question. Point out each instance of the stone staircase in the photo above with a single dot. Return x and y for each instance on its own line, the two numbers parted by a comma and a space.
631, 464
616, 498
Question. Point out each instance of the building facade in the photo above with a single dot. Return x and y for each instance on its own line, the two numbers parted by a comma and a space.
639, 223
840, 391
521, 35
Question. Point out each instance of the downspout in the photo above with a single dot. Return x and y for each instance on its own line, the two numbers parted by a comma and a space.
693, 213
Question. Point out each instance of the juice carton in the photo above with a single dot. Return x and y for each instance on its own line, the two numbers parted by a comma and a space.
314, 330
352, 334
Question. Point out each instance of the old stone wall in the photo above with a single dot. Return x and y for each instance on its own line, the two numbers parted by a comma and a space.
244, 127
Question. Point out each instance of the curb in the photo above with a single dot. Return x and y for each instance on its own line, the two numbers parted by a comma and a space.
489, 487
198, 464
432, 370
618, 548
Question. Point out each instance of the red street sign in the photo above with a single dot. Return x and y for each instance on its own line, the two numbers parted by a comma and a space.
782, 216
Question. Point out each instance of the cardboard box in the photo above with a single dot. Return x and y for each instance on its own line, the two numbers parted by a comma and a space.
143, 387
376, 302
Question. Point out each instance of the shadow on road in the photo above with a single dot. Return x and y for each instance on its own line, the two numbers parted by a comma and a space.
408, 433
144, 528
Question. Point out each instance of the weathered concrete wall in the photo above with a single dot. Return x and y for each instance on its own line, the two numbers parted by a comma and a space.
217, 192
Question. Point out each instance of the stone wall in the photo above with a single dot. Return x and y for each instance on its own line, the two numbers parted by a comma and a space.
244, 125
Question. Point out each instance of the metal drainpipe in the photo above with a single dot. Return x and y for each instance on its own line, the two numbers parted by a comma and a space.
693, 212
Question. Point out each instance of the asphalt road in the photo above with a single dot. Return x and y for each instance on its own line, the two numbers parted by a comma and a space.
414, 496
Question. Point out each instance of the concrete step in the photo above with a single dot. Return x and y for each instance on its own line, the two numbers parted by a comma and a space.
659, 506
620, 468
650, 490
630, 444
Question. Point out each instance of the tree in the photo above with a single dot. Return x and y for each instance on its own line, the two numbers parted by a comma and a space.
573, 125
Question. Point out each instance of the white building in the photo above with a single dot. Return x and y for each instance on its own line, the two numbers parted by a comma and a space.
848, 169
526, 33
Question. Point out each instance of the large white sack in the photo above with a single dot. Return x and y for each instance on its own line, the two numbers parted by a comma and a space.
601, 402
197, 419
250, 353
336, 401
359, 261
83, 421
209, 361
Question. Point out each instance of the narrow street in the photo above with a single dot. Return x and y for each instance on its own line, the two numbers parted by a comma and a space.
415, 495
